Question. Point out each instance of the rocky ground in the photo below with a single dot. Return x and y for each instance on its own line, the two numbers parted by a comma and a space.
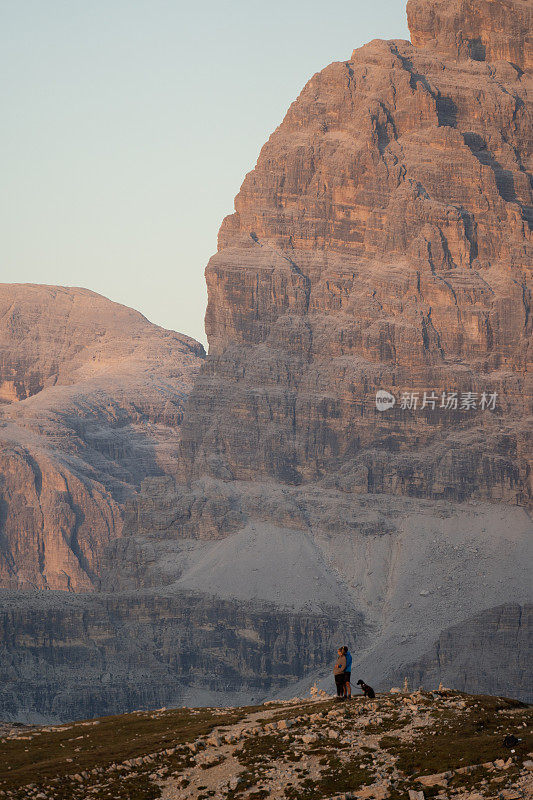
415, 745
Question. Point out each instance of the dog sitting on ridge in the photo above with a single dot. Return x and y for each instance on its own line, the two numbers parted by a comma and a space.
366, 689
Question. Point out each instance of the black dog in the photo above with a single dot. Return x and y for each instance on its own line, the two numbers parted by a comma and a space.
367, 690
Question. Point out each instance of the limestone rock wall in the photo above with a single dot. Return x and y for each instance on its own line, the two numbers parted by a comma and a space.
71, 657
91, 400
483, 30
383, 240
490, 653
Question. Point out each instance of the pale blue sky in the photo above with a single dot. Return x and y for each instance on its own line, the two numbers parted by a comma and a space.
128, 127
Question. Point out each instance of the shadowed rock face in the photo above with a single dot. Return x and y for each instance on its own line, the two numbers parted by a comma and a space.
472, 654
93, 396
64, 656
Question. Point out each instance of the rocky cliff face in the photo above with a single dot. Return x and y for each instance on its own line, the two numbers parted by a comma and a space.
64, 656
485, 30
474, 651
92, 399
382, 242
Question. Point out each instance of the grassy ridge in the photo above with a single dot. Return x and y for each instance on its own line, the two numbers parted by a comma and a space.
395, 739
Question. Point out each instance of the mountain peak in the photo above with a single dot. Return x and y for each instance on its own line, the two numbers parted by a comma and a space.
483, 30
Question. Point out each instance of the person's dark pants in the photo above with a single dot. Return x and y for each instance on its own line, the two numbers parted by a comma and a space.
339, 682
347, 687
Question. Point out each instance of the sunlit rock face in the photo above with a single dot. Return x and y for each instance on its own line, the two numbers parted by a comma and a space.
383, 240
93, 397
482, 30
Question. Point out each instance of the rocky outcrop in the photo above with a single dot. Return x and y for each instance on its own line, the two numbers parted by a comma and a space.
93, 397
403, 744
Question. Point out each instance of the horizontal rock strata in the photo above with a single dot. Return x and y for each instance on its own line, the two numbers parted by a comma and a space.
69, 657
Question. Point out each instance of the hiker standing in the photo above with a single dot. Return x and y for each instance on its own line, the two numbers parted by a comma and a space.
348, 671
338, 672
